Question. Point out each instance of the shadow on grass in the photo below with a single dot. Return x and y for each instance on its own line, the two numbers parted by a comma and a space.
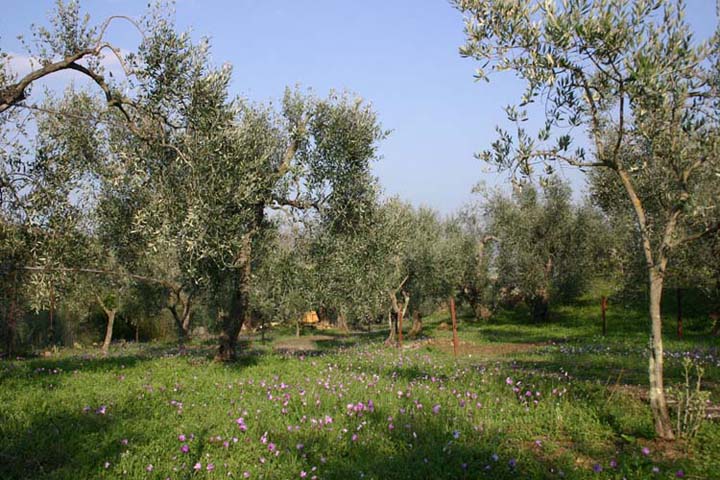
62, 444
427, 447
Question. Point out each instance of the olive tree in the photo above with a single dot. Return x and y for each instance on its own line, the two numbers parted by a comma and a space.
284, 282
209, 165
546, 247
479, 280
56, 154
629, 75
432, 261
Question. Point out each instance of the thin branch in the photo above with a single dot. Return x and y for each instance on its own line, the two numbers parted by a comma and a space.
696, 236
100, 271
107, 22
297, 203
621, 123
569, 160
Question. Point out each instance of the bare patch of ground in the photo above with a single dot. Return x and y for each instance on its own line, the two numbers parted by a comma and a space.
306, 343
480, 350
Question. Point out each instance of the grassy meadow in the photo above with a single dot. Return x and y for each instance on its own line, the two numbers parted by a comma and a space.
519, 402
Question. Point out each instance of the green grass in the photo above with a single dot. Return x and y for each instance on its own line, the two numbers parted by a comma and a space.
590, 407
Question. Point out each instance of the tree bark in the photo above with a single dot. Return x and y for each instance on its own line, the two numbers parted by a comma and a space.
454, 326
342, 324
603, 308
239, 308
398, 312
51, 330
656, 271
239, 311
108, 330
658, 403
182, 317
400, 328
12, 328
417, 325
678, 295
472, 298
11, 320
392, 324
540, 306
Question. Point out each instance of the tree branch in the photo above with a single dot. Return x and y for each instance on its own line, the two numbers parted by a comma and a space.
15, 93
99, 271
296, 203
697, 236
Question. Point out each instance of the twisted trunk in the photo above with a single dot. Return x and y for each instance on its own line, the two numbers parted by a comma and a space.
397, 313
239, 311
540, 306
342, 324
239, 306
603, 308
110, 313
417, 325
181, 317
392, 324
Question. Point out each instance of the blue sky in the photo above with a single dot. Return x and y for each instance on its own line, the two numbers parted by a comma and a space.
401, 55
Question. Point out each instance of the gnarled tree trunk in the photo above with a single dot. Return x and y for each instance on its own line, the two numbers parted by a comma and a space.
417, 325
397, 312
110, 313
239, 306
181, 316
540, 305
341, 323
11, 321
392, 324
540, 302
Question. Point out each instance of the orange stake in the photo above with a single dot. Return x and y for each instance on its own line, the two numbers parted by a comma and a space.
454, 325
